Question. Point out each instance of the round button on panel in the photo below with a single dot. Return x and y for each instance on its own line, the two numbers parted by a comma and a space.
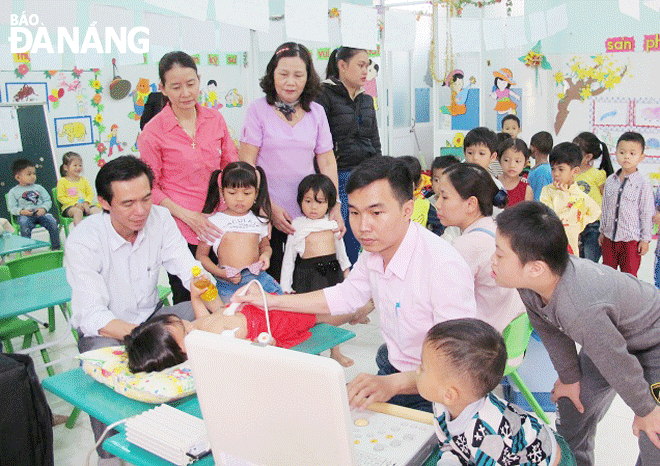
379, 447
395, 443
361, 422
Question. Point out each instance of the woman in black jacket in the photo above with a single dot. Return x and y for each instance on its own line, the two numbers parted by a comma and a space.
352, 118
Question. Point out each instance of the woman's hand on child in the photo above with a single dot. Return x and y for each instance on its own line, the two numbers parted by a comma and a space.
199, 223
335, 215
601, 237
26, 212
650, 424
40, 212
642, 247
252, 296
281, 219
570, 391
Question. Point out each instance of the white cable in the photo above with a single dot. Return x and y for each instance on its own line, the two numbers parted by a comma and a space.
105, 432
234, 306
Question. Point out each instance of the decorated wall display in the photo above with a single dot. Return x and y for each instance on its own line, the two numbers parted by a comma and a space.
463, 99
535, 59
586, 78
34, 92
142, 90
454, 147
613, 116
73, 131
113, 142
209, 95
233, 99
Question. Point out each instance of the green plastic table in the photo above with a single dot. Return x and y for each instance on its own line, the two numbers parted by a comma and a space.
108, 406
15, 243
33, 292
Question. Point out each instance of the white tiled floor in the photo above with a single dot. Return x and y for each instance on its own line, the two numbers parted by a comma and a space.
615, 443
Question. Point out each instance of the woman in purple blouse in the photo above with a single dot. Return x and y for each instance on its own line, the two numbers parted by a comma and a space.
285, 133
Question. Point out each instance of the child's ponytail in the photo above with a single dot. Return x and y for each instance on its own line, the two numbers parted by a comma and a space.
212, 194
261, 206
606, 163
590, 144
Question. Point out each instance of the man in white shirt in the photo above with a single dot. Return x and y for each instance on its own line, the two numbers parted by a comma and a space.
113, 261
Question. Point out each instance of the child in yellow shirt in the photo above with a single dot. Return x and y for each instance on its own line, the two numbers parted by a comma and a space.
575, 208
74, 193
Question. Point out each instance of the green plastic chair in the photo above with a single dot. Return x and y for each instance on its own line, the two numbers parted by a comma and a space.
14, 327
40, 263
64, 221
12, 218
516, 337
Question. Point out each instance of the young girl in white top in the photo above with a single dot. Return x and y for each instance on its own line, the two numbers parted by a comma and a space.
467, 196
243, 250
314, 256
74, 193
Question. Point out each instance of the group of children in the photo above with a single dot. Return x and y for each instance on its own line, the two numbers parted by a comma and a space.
508, 244
30, 202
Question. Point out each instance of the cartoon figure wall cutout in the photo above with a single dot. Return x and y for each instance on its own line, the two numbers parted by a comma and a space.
464, 101
140, 94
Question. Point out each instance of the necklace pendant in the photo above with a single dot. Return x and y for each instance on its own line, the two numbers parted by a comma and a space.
193, 144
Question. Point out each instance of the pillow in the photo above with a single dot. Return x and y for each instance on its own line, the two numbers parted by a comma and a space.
110, 367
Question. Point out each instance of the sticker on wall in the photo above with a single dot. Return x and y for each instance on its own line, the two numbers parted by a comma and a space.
233, 99
323, 53
210, 95
535, 59
55, 96
214, 59
112, 140
370, 87
27, 92
23, 61
74, 131
586, 79
232, 59
462, 113
454, 147
140, 94
196, 59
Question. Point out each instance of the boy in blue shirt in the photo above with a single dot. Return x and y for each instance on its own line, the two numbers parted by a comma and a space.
30, 202
540, 147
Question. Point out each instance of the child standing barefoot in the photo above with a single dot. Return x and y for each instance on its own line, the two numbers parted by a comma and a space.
74, 193
243, 249
314, 256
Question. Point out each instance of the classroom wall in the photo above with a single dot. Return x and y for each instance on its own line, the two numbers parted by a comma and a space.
590, 24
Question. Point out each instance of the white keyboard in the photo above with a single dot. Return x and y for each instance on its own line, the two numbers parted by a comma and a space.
392, 440
365, 458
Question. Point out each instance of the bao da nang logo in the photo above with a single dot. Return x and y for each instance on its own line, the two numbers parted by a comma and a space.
25, 39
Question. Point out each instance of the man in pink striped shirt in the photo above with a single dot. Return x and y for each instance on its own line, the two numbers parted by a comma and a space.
415, 278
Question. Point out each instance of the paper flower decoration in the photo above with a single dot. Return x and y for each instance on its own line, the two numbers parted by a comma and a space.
535, 59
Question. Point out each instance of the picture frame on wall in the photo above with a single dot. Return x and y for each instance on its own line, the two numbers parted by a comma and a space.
73, 131
27, 92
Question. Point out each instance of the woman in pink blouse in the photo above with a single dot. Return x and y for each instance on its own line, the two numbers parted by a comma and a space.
285, 133
183, 144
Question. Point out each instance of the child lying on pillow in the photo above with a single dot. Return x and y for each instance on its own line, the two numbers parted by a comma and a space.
158, 343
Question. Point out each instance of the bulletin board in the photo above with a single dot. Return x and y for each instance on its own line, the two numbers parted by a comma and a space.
612, 116
37, 147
